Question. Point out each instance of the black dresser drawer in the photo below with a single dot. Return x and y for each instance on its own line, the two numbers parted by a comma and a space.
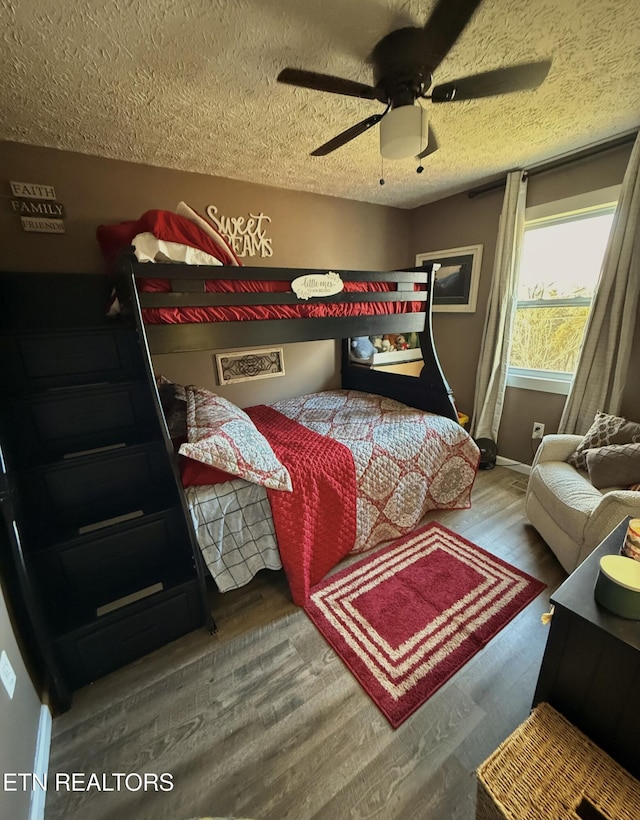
95, 534
101, 567
40, 361
84, 491
62, 422
130, 633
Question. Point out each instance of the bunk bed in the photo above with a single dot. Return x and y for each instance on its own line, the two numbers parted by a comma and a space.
182, 307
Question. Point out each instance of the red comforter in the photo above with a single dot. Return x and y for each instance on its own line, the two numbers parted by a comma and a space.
242, 313
315, 525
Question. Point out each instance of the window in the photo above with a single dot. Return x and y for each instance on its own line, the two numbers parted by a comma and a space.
562, 252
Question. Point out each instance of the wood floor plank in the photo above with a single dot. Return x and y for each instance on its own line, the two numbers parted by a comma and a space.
263, 720
388, 785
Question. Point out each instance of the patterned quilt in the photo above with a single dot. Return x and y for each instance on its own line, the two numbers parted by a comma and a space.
407, 462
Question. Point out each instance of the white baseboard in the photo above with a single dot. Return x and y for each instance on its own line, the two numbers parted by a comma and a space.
41, 762
516, 466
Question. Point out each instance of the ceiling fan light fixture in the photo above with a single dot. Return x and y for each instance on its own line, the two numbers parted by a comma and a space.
404, 132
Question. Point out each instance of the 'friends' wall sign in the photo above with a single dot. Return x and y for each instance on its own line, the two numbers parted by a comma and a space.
37, 207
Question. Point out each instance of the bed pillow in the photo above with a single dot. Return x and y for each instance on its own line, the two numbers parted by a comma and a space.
173, 399
196, 474
225, 247
606, 429
616, 465
148, 248
223, 436
163, 225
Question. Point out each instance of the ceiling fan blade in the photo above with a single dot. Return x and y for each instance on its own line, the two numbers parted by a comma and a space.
347, 136
327, 82
490, 83
432, 145
447, 21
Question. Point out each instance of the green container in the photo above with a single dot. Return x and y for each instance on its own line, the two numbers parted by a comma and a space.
618, 586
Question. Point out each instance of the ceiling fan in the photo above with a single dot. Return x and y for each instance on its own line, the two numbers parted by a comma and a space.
403, 65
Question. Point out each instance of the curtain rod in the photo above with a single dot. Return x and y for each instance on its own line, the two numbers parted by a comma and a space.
558, 163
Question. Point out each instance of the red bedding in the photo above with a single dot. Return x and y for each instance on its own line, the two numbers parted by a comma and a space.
191, 315
163, 225
171, 227
316, 523
241, 313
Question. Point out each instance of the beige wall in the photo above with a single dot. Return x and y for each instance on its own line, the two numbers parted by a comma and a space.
309, 367
19, 719
453, 223
459, 221
307, 230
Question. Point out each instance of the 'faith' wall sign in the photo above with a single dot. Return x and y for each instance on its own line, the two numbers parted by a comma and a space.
37, 207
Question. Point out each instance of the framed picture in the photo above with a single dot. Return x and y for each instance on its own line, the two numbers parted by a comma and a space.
247, 365
456, 285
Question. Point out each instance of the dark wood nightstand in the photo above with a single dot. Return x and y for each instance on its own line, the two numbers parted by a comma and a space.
591, 666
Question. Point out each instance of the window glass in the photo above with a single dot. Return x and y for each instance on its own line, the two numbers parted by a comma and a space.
559, 268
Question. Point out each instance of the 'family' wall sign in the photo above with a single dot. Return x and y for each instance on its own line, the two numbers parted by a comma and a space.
37, 207
247, 235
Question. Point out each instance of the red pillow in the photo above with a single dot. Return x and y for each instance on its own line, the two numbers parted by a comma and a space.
163, 225
195, 473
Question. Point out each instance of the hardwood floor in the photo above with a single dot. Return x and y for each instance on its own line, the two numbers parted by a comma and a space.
263, 721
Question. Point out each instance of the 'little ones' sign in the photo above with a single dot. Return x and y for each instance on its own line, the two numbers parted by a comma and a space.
247, 235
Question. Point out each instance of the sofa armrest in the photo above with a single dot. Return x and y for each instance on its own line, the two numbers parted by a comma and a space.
613, 507
556, 447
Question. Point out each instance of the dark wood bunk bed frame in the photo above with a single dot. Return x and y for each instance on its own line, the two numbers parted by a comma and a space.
83, 384
429, 391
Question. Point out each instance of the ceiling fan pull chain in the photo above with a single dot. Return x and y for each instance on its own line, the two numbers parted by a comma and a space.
381, 170
420, 167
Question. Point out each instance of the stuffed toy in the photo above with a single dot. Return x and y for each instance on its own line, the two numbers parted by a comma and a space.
401, 343
376, 341
362, 348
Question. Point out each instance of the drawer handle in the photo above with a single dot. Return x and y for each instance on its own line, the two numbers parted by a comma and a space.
95, 450
140, 595
109, 522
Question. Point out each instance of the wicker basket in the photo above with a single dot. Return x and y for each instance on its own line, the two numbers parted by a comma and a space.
546, 769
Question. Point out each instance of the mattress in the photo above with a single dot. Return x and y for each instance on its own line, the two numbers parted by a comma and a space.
407, 463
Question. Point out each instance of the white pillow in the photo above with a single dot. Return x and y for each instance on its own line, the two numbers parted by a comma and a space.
149, 248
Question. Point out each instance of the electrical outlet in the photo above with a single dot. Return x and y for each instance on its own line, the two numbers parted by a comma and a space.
7, 675
538, 429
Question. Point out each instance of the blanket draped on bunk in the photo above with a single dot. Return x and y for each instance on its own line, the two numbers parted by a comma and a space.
315, 525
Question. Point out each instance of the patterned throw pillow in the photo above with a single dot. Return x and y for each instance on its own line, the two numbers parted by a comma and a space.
606, 429
223, 436
616, 465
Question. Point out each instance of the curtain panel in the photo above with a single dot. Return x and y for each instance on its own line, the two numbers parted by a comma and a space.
603, 363
491, 380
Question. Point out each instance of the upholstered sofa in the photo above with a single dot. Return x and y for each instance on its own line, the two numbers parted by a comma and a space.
570, 514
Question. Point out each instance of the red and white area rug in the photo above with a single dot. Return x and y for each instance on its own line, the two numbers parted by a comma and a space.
409, 616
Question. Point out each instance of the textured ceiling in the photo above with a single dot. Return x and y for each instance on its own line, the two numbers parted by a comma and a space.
190, 85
